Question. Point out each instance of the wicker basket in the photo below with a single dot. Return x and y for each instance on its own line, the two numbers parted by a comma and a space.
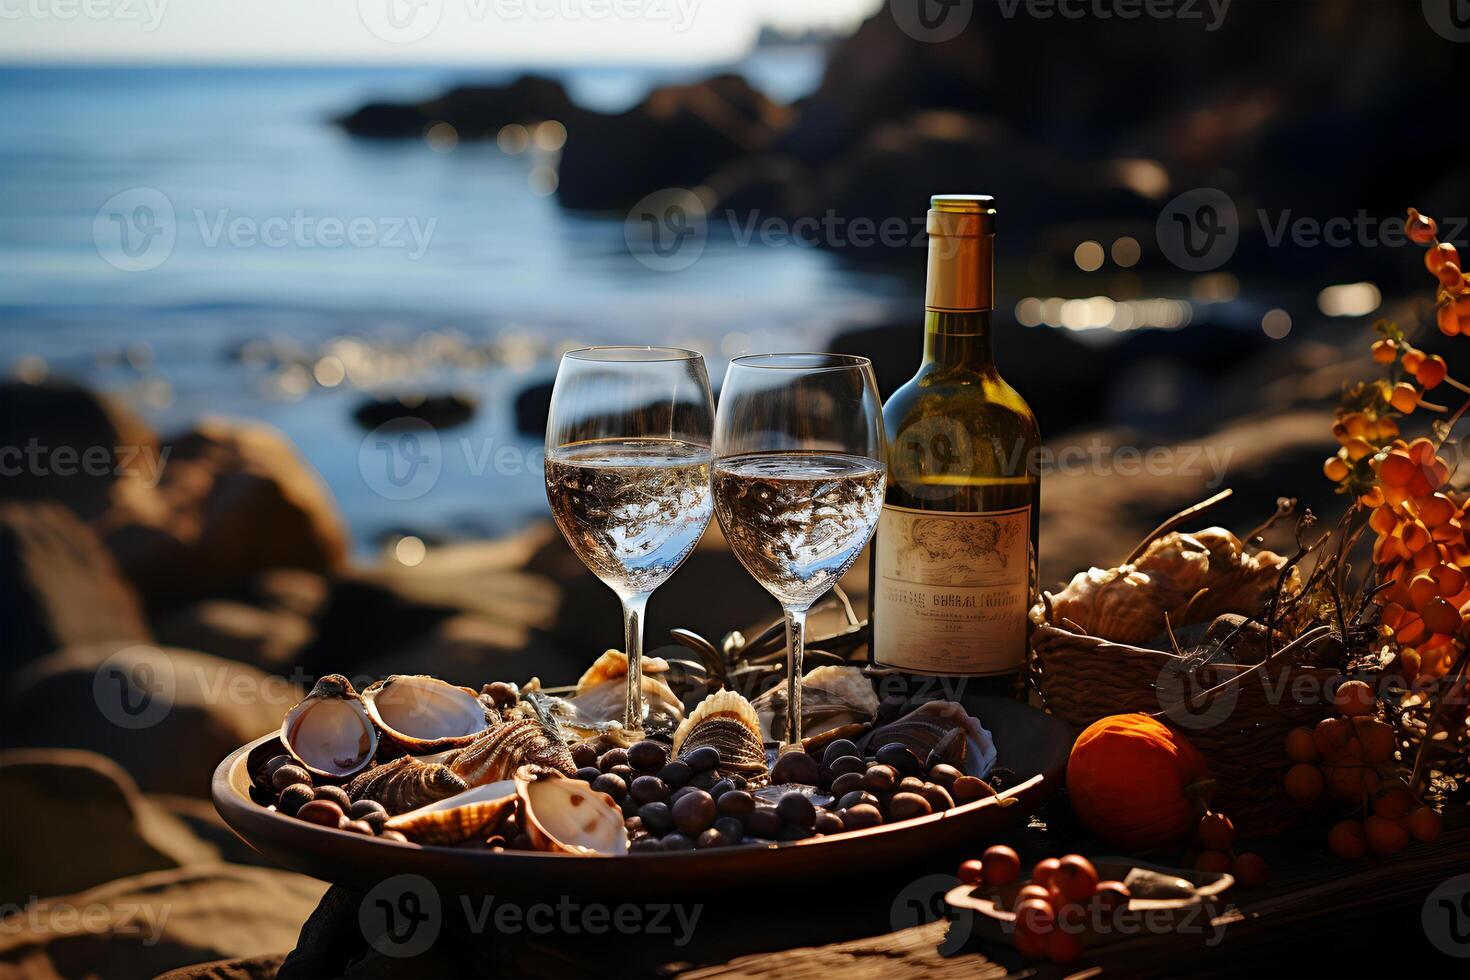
1237, 715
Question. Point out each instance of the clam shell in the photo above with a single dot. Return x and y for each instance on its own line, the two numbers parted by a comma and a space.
568, 816
728, 722
418, 713
836, 702
329, 732
597, 704
498, 752
964, 742
473, 814
406, 784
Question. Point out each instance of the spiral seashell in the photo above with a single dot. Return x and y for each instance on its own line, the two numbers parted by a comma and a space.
473, 814
406, 784
498, 752
726, 721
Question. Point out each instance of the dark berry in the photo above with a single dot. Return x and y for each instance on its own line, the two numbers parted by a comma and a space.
293, 798
897, 755
612, 757
796, 808
829, 823
647, 755
584, 755
656, 817
611, 784
289, 775
362, 808
588, 774
736, 803
694, 812
335, 794
763, 823
649, 789
703, 759
676, 773
837, 749
677, 842
795, 767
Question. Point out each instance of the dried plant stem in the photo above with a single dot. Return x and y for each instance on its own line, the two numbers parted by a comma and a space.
1183, 517
1421, 757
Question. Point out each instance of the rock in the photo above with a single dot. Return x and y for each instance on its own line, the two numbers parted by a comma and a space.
61, 441
459, 603
205, 823
235, 500
145, 924
269, 639
74, 820
475, 111
167, 716
263, 967
532, 408
58, 585
440, 411
676, 137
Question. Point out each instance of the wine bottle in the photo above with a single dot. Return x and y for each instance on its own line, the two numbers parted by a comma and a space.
954, 557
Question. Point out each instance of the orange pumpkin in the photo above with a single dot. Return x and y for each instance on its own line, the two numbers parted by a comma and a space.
1134, 781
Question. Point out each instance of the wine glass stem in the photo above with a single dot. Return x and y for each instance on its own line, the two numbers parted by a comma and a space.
795, 647
633, 610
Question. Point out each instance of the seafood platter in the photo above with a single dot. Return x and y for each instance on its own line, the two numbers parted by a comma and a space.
414, 773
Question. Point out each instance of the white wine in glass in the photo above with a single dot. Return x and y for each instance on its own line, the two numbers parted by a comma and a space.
798, 480
628, 475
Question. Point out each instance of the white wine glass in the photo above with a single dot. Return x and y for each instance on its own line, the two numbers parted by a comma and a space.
628, 475
798, 480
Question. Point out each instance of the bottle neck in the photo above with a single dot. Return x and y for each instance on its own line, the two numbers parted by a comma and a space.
957, 341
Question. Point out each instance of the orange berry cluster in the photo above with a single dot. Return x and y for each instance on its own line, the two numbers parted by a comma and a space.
1349, 756
1216, 836
1443, 262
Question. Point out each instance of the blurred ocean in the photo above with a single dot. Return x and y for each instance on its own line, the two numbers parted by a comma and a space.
466, 275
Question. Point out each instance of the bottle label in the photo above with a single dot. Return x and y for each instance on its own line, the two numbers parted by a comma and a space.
951, 590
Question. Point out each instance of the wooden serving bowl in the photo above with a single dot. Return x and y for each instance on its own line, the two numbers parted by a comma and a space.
1031, 744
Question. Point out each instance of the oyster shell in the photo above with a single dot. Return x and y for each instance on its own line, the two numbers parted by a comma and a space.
329, 732
498, 752
944, 726
567, 815
406, 784
475, 813
726, 721
418, 713
836, 702
597, 704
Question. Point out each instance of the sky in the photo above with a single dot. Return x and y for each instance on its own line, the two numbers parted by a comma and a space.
457, 32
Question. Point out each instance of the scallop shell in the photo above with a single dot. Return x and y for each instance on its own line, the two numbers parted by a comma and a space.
836, 702
473, 814
329, 732
728, 722
568, 816
406, 784
418, 713
598, 702
498, 752
944, 725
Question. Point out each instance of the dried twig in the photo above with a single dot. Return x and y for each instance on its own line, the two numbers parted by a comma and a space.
1183, 517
